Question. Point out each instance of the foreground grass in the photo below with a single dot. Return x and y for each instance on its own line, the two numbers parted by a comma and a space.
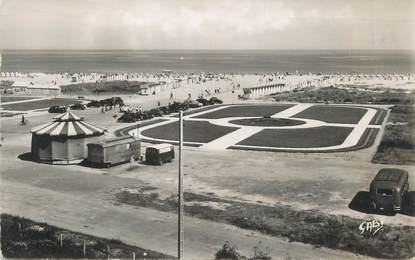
24, 238
313, 227
398, 141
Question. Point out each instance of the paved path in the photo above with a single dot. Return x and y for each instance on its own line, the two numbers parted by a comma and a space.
231, 138
147, 228
289, 112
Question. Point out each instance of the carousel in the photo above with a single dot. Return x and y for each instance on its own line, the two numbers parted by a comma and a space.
64, 140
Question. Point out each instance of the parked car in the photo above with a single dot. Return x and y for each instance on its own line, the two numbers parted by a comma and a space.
93, 103
155, 112
57, 109
159, 153
192, 103
215, 100
164, 110
204, 101
177, 106
388, 190
127, 118
78, 106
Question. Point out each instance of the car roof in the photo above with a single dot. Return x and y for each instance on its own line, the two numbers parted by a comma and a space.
160, 146
390, 174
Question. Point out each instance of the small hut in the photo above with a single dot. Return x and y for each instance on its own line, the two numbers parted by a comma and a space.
64, 140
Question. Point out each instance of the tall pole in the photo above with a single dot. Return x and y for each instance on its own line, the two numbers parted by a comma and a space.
180, 238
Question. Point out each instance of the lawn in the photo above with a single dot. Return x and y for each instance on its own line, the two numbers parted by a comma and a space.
245, 111
24, 238
194, 131
32, 105
4, 99
299, 138
333, 114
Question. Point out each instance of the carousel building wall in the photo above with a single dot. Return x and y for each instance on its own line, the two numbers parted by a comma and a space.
64, 141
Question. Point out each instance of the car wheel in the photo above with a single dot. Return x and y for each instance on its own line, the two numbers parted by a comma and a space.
373, 206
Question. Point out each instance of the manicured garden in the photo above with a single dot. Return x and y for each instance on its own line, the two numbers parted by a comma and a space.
333, 114
194, 131
299, 138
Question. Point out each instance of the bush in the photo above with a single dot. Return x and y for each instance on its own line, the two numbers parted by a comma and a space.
228, 252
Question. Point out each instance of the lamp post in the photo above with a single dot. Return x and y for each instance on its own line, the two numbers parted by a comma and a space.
180, 238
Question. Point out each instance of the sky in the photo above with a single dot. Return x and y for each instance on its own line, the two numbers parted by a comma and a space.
201, 24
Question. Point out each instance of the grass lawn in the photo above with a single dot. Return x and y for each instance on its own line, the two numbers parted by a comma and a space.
4, 99
248, 111
333, 114
299, 138
24, 238
32, 105
194, 131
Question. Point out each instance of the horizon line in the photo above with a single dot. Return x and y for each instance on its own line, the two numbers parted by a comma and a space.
196, 49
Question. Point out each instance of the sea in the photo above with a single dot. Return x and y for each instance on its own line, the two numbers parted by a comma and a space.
215, 61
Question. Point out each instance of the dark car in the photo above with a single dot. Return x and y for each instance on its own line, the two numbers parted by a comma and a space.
93, 103
57, 109
78, 106
155, 112
215, 100
164, 110
204, 101
159, 154
388, 190
192, 103
127, 118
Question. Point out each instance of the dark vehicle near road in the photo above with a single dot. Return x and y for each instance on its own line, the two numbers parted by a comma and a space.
192, 103
215, 100
164, 110
204, 101
113, 101
155, 112
177, 106
78, 106
159, 154
388, 190
114, 151
93, 103
57, 109
128, 118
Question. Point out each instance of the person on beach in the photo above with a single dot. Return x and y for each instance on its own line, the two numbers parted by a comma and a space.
158, 103
171, 95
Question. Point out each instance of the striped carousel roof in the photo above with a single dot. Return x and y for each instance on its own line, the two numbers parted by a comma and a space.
68, 124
